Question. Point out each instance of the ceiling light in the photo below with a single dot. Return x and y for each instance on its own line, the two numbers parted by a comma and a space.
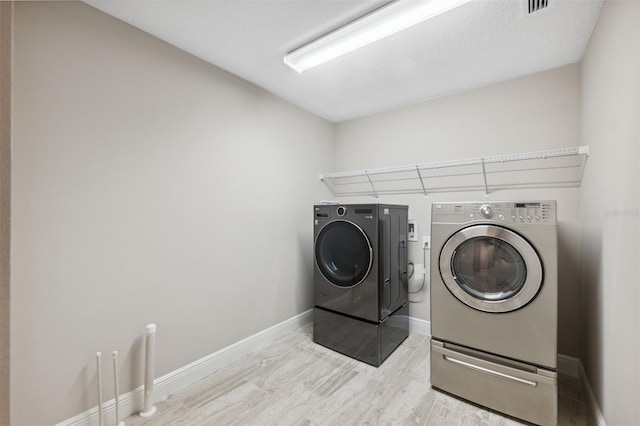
380, 23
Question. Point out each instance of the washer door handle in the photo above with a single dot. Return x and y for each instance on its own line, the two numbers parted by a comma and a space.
489, 371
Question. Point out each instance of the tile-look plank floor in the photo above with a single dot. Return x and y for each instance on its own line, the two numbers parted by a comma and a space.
296, 382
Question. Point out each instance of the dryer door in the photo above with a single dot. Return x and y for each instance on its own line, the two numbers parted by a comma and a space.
343, 253
490, 268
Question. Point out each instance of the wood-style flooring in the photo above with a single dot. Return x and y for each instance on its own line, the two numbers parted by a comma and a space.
297, 382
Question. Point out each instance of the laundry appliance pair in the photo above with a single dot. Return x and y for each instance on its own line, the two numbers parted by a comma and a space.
494, 295
360, 279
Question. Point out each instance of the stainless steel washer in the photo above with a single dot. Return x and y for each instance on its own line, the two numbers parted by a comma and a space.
494, 305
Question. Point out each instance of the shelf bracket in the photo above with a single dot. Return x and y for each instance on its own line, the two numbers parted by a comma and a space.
372, 185
421, 181
484, 175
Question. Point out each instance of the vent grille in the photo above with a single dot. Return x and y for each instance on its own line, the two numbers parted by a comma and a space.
536, 5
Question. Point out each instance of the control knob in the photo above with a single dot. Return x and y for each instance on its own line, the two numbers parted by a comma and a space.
485, 211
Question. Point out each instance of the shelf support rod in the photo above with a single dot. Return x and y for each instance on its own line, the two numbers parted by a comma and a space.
583, 163
372, 185
421, 181
484, 175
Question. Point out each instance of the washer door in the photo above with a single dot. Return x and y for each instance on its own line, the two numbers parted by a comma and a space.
490, 268
343, 253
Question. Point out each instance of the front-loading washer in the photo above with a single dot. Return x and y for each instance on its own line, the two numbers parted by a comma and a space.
360, 279
494, 301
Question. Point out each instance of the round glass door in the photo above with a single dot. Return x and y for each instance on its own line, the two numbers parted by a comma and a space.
490, 268
343, 253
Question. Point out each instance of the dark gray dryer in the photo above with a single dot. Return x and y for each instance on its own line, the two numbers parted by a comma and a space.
360, 279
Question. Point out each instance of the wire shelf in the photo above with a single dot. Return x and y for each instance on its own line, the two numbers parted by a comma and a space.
540, 169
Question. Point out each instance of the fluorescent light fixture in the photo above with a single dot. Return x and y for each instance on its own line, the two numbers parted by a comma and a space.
380, 23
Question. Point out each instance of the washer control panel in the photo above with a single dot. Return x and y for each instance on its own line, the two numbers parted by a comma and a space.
529, 212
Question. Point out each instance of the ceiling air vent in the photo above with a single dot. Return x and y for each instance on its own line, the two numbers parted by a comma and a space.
536, 5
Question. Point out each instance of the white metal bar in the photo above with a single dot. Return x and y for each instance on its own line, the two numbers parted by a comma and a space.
100, 405
421, 181
537, 155
450, 163
116, 388
484, 176
148, 408
583, 165
373, 187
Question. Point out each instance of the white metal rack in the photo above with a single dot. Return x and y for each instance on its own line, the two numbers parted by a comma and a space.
541, 169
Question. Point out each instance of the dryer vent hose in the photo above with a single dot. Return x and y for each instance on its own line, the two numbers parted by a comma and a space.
424, 276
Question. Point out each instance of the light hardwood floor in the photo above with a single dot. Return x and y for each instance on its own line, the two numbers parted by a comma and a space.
297, 382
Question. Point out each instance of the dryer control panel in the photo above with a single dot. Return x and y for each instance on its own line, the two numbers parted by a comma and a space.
525, 212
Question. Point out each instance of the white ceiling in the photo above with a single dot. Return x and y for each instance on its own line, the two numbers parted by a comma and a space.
480, 43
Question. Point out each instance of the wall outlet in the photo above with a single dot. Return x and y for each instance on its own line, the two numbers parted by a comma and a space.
426, 242
412, 230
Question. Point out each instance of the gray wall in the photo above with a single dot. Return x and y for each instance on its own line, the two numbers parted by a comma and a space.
532, 113
610, 212
148, 186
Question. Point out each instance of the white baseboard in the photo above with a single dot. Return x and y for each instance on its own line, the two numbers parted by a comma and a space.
592, 402
568, 365
419, 326
131, 402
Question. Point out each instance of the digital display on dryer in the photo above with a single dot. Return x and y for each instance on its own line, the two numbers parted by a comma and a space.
527, 205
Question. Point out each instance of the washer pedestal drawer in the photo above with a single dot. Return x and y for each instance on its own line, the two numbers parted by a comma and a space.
363, 340
520, 390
